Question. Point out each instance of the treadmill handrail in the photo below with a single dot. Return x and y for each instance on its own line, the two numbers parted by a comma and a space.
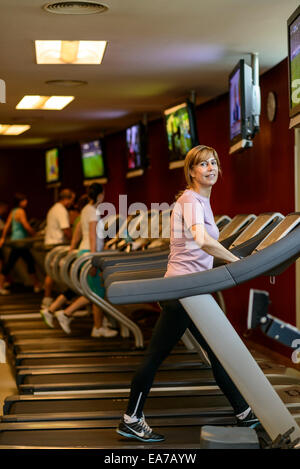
56, 264
101, 259
75, 269
134, 266
157, 272
49, 258
104, 304
209, 281
65, 267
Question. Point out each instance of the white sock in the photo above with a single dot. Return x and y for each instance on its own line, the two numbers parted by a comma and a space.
244, 414
129, 419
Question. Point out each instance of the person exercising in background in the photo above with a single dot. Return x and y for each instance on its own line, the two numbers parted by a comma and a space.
47, 312
3, 213
20, 229
193, 244
58, 231
87, 232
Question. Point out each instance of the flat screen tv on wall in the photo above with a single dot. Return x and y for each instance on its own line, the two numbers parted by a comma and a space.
52, 167
136, 150
93, 162
293, 28
181, 130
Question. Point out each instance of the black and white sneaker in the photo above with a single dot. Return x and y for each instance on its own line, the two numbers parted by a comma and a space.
250, 420
139, 430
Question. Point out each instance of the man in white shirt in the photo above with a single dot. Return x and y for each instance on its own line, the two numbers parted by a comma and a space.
58, 231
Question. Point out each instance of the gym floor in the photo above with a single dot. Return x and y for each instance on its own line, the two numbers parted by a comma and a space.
8, 384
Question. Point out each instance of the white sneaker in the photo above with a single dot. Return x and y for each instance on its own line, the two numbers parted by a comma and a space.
47, 317
46, 302
3, 291
103, 332
64, 321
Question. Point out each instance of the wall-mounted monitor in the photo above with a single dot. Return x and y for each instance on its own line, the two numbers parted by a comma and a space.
293, 27
93, 162
52, 167
241, 107
136, 150
181, 129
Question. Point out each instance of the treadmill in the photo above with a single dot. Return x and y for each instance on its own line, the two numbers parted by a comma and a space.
193, 290
75, 377
283, 251
29, 376
27, 345
22, 339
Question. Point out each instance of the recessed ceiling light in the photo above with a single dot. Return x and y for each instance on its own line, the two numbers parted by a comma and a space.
44, 102
67, 83
70, 52
75, 7
7, 129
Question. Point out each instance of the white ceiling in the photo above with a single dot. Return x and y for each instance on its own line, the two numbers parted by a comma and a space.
158, 51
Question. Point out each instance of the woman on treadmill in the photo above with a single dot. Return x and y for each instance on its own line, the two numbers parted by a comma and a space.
20, 229
193, 245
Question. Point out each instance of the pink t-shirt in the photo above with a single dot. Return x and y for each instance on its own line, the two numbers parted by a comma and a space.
185, 255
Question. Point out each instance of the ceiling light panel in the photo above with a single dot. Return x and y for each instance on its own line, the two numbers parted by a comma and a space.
31, 102
70, 52
55, 103
6, 129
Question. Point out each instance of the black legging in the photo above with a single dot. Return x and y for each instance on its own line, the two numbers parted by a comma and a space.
168, 330
14, 255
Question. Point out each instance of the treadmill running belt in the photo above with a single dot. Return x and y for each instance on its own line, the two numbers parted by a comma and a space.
116, 404
183, 437
119, 379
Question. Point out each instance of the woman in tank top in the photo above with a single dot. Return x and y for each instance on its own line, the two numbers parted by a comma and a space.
193, 244
20, 229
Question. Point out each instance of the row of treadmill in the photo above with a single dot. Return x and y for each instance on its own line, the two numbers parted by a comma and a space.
72, 390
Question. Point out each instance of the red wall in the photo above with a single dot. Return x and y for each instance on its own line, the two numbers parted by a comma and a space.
257, 180
22, 170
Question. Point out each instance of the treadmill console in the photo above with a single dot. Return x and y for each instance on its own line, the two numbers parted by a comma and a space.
238, 222
256, 227
285, 226
221, 221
